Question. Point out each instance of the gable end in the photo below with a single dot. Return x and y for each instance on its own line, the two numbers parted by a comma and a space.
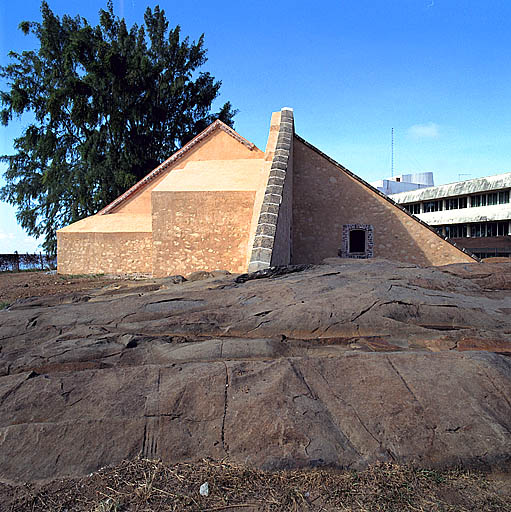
217, 125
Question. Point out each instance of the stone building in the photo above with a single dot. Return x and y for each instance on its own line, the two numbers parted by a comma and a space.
475, 214
222, 203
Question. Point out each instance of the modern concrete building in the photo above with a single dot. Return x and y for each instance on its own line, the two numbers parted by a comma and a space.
474, 214
404, 183
222, 203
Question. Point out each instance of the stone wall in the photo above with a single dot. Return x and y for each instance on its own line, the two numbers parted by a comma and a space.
272, 241
328, 197
104, 253
200, 231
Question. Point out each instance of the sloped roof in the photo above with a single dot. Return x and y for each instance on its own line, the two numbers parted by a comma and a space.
217, 125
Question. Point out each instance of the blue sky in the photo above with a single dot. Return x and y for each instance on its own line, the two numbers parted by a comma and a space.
436, 71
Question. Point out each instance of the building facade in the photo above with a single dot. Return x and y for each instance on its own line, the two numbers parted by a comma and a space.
404, 183
475, 214
222, 203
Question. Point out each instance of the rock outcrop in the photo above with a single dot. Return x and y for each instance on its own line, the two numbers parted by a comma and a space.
341, 364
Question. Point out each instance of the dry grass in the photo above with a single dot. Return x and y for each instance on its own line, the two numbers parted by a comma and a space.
145, 485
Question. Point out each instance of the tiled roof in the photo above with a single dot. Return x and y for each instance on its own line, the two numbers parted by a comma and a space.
217, 125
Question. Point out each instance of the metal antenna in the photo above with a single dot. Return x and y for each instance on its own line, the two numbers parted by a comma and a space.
392, 153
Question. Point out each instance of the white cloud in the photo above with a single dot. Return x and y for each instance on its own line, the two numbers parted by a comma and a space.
7, 236
424, 131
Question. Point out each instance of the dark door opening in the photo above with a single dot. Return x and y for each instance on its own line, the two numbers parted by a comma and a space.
357, 240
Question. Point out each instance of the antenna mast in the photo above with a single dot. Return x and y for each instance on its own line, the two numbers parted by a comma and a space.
392, 153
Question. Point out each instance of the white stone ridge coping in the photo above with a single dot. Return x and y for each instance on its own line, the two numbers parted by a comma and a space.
384, 196
176, 156
467, 215
459, 188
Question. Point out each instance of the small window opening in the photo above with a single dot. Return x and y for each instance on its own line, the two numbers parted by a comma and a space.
357, 240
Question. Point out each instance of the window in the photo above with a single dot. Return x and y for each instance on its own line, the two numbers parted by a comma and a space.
456, 231
432, 206
490, 199
455, 203
484, 229
504, 197
491, 229
502, 228
357, 241
414, 208
452, 204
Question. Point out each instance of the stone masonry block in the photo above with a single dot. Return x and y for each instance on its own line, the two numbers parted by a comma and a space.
263, 241
283, 159
266, 229
279, 165
274, 189
269, 218
284, 140
272, 198
270, 208
277, 173
261, 254
257, 265
286, 128
282, 152
284, 143
276, 180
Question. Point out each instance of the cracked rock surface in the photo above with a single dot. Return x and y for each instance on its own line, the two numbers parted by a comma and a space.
341, 364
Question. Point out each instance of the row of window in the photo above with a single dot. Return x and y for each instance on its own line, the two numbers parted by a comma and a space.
455, 203
490, 199
475, 230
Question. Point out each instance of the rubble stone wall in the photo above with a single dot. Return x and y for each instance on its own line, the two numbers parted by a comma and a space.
200, 231
327, 197
104, 253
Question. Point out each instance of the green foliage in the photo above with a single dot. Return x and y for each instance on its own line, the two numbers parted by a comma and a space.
109, 103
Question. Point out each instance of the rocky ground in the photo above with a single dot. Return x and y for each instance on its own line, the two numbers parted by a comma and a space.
343, 365
23, 285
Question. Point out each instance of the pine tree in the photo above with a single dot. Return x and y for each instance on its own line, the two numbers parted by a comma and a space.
108, 104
